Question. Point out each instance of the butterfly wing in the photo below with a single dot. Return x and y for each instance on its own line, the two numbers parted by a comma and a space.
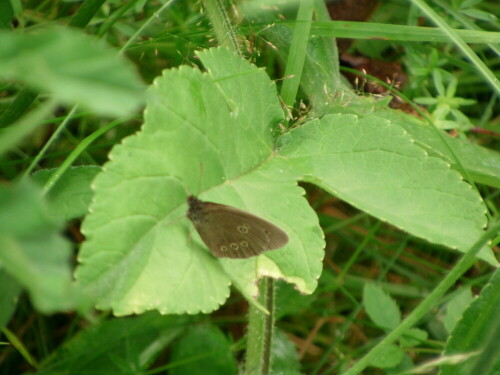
233, 233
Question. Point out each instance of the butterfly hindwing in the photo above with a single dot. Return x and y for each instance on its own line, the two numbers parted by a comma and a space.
230, 232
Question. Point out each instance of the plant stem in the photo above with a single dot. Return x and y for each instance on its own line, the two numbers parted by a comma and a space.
260, 332
221, 24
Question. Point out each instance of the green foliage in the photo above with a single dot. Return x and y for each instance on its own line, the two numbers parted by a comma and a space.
33, 252
203, 350
394, 193
477, 331
380, 307
9, 294
70, 197
227, 117
116, 346
385, 313
445, 106
374, 165
456, 307
6, 14
285, 360
391, 356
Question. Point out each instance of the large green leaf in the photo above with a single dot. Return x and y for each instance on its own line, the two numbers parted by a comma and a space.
205, 134
376, 166
482, 164
73, 67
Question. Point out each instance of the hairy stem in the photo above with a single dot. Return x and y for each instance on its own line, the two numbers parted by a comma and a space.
221, 23
260, 332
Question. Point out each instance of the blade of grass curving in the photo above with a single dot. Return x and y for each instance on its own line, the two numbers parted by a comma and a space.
76, 152
51, 140
144, 26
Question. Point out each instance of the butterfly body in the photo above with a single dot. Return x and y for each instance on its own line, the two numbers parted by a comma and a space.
233, 233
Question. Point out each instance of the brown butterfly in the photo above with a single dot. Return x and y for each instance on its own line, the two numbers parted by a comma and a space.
232, 233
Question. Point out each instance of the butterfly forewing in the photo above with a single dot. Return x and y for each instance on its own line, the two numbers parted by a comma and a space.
230, 232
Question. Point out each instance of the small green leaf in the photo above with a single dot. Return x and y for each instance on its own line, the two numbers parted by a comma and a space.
403, 367
380, 307
285, 359
480, 15
391, 356
413, 337
455, 308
